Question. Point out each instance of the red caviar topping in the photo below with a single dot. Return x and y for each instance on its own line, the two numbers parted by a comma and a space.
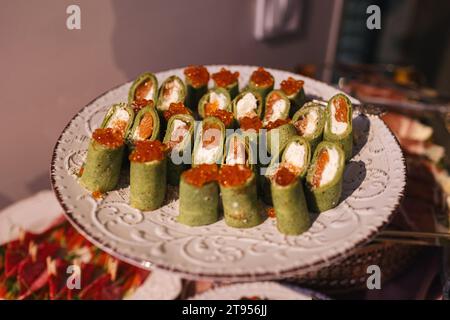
250, 123
277, 123
201, 175
291, 86
108, 137
146, 151
301, 124
97, 195
322, 161
261, 78
236, 175
176, 108
341, 109
225, 116
284, 176
141, 103
225, 77
197, 75
271, 213
143, 89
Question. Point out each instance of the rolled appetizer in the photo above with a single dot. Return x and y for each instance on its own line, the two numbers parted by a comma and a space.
239, 196
289, 202
338, 127
216, 103
277, 134
324, 177
172, 90
145, 126
145, 87
293, 89
174, 109
310, 122
261, 81
199, 196
247, 104
178, 139
101, 169
196, 78
227, 80
147, 175
277, 106
238, 151
209, 141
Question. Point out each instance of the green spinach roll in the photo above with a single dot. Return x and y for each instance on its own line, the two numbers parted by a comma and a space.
145, 87
209, 142
277, 134
248, 104
101, 170
310, 122
217, 103
338, 126
293, 89
261, 81
289, 202
199, 196
324, 177
196, 78
172, 90
147, 175
178, 139
227, 80
145, 126
277, 107
239, 196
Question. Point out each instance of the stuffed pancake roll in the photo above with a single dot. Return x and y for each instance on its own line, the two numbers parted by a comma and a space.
338, 126
247, 104
147, 175
145, 87
174, 109
293, 89
196, 78
296, 156
145, 126
289, 202
261, 81
101, 170
199, 195
172, 90
217, 103
324, 177
277, 134
178, 139
227, 80
239, 196
238, 151
209, 141
310, 122
277, 106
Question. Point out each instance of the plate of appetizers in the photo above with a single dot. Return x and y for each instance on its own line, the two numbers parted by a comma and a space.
259, 291
227, 173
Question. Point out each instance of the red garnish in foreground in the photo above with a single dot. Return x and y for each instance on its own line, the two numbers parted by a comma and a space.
321, 162
277, 123
250, 123
284, 176
197, 75
271, 213
201, 175
108, 137
223, 115
261, 78
225, 77
291, 86
236, 175
176, 108
146, 151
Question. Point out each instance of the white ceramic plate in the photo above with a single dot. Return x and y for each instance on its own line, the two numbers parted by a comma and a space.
373, 185
261, 290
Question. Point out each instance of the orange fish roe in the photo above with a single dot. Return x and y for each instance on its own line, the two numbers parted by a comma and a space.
143, 89
201, 175
291, 86
225, 77
210, 134
176, 108
284, 176
271, 213
141, 103
146, 151
274, 97
261, 78
301, 124
341, 109
108, 137
250, 123
277, 123
146, 126
232, 176
97, 195
322, 161
223, 115
197, 75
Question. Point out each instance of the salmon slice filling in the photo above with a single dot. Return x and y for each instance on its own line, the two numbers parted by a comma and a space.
275, 107
171, 93
339, 115
179, 132
210, 144
307, 123
145, 128
145, 91
326, 167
